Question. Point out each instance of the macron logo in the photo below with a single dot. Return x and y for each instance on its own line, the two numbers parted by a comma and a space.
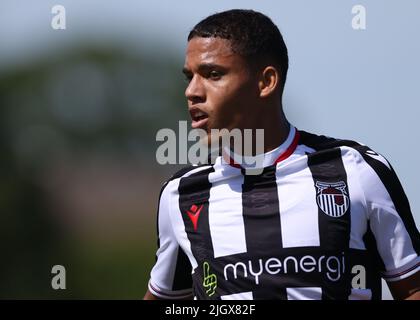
378, 157
193, 214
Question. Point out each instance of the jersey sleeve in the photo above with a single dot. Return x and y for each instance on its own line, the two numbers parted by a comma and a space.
170, 277
390, 217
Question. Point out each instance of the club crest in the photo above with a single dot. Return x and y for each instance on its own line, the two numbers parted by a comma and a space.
332, 198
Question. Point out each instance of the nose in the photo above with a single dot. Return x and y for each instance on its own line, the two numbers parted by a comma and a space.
195, 91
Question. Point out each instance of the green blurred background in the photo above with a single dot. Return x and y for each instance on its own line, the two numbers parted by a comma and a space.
79, 180
78, 176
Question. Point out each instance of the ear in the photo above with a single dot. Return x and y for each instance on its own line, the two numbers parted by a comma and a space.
269, 81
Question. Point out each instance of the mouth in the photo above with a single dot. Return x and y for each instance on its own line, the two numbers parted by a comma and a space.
199, 118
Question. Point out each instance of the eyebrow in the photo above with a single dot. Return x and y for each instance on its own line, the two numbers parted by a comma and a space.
203, 67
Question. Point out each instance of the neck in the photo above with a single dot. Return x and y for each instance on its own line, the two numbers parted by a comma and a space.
276, 130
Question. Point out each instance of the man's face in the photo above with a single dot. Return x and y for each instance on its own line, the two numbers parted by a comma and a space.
222, 89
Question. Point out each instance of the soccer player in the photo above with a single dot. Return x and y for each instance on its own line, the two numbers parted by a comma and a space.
324, 220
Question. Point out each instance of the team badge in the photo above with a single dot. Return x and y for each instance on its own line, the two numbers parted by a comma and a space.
332, 198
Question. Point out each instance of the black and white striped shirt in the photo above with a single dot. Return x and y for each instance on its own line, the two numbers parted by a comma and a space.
326, 219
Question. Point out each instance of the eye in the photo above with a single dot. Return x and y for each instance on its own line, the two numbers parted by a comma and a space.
215, 75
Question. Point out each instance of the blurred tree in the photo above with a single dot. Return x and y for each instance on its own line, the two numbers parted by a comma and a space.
86, 103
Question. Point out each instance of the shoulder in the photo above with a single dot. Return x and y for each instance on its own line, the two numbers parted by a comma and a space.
362, 153
184, 172
322, 142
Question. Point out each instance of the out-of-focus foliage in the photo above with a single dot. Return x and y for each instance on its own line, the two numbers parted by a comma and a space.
78, 176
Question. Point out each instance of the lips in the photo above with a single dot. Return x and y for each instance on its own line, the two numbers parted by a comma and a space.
199, 118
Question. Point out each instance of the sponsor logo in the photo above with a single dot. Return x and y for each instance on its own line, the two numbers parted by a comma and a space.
332, 266
332, 198
209, 280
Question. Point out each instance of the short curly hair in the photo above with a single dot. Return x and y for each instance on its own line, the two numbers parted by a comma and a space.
252, 35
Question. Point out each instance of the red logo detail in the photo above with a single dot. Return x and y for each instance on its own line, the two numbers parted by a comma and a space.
339, 200
194, 213
338, 196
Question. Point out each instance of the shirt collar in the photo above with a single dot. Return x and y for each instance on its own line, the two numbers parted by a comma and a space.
274, 156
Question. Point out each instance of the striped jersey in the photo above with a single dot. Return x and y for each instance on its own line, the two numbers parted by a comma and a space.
324, 220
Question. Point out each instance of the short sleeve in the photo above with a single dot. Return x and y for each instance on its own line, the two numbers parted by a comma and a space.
390, 217
170, 277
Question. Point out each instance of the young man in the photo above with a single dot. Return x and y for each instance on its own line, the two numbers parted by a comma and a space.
326, 218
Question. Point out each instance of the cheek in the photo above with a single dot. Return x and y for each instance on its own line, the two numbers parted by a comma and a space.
231, 101
225, 105
233, 95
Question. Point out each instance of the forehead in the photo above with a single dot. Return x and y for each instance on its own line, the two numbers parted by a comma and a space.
209, 50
